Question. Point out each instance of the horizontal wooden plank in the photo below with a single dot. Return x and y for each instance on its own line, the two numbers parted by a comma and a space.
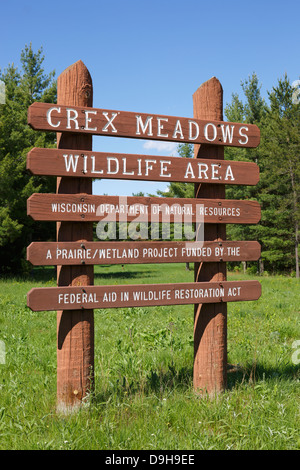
97, 297
82, 207
61, 162
58, 118
75, 253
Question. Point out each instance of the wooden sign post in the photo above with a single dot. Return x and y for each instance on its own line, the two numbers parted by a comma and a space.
210, 323
74, 209
75, 328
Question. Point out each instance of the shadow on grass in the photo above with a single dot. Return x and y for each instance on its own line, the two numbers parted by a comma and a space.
255, 372
157, 382
123, 275
160, 382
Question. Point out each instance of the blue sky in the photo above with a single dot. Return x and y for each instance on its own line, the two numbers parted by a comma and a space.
151, 56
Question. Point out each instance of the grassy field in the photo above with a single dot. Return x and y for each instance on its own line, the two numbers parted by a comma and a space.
144, 397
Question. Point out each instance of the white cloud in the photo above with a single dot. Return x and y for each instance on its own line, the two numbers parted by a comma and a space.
170, 147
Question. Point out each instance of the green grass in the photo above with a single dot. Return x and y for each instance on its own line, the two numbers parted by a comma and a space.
144, 396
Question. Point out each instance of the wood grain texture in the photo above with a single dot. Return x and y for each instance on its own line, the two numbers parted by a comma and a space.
72, 253
210, 322
83, 207
80, 119
140, 167
75, 329
141, 295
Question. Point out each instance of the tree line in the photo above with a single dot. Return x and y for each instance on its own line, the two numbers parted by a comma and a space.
278, 158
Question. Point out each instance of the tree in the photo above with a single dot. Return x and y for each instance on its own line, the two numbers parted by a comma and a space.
251, 110
279, 165
278, 160
281, 147
22, 88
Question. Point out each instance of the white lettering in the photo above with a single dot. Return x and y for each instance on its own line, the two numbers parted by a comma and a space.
84, 170
214, 132
149, 167
243, 135
139, 123
110, 120
203, 169
88, 120
125, 168
226, 133
234, 291
109, 297
72, 118
160, 127
93, 170
139, 161
71, 162
178, 130
214, 171
163, 168
189, 171
109, 170
229, 174
73, 207
49, 117
195, 136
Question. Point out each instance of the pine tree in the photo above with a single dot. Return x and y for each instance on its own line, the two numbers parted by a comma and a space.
251, 110
281, 147
278, 160
22, 88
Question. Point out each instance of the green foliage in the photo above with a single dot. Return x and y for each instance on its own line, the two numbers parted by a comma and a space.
279, 164
281, 150
278, 159
16, 139
144, 396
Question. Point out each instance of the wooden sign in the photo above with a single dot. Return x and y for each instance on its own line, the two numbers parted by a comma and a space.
76, 253
61, 162
59, 118
75, 121
82, 207
131, 295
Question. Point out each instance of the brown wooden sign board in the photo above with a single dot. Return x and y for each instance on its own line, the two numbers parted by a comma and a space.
82, 207
61, 162
59, 118
76, 253
96, 297
75, 121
